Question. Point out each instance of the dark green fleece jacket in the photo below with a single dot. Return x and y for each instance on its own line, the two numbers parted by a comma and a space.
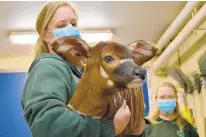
169, 129
50, 85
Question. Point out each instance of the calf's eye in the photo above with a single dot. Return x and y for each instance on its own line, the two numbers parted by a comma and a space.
108, 59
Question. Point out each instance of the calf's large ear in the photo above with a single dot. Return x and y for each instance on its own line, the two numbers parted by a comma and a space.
66, 43
142, 51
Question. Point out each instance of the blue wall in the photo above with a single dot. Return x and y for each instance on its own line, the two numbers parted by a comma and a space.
146, 98
12, 123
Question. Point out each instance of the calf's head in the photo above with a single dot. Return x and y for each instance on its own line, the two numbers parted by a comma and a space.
117, 63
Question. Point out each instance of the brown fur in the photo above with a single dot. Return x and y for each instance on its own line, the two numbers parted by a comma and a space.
135, 101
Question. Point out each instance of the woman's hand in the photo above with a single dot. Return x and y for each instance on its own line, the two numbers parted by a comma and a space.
121, 118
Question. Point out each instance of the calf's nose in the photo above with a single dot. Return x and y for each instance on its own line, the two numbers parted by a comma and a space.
141, 73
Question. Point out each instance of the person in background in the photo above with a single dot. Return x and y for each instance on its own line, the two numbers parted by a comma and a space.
166, 120
51, 83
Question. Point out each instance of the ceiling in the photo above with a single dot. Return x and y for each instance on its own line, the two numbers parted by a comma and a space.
128, 21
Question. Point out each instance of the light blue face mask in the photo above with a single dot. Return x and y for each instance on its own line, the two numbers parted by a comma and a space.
67, 31
166, 106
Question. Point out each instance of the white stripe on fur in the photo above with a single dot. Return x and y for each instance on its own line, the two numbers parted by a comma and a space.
126, 60
103, 73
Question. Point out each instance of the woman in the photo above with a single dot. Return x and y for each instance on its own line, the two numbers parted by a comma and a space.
167, 121
51, 83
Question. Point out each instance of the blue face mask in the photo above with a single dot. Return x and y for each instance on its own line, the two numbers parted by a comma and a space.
166, 106
67, 31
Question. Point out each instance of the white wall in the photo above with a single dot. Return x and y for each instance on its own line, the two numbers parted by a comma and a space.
20, 64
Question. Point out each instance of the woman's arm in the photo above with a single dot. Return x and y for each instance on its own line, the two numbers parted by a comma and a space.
44, 102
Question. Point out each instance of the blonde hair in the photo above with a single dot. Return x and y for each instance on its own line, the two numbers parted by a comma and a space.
43, 19
153, 116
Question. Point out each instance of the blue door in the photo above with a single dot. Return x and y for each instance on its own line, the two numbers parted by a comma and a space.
12, 122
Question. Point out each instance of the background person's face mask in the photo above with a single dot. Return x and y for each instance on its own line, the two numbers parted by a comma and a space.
166, 105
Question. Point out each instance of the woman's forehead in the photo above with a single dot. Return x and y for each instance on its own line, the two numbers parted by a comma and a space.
165, 91
64, 13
